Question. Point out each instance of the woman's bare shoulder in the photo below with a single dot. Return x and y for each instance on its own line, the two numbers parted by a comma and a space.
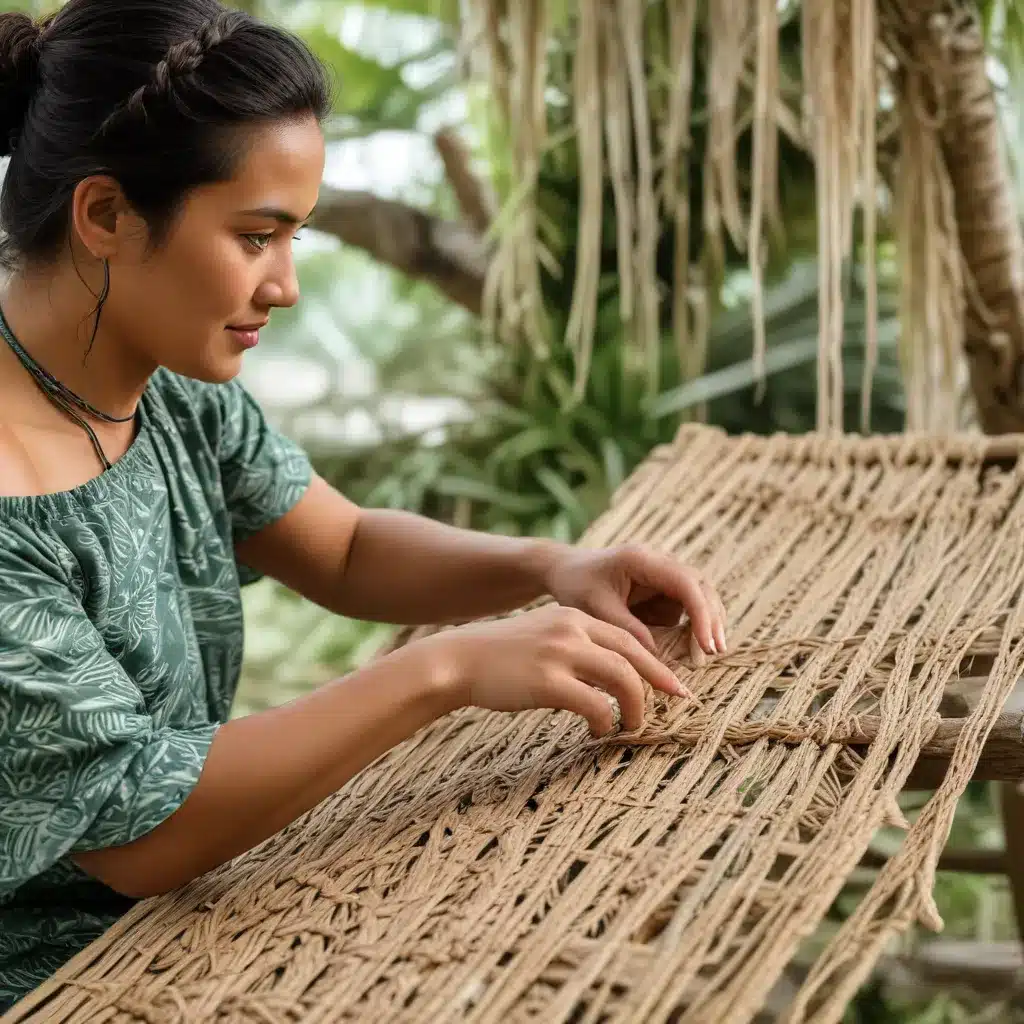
20, 475
40, 459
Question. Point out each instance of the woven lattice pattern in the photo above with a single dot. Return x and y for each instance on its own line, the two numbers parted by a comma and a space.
508, 868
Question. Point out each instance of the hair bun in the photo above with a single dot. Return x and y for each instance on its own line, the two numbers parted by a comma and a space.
19, 73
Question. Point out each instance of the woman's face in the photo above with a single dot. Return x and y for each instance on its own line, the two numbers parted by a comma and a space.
196, 303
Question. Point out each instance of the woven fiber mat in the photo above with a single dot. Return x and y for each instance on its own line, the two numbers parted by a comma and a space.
509, 868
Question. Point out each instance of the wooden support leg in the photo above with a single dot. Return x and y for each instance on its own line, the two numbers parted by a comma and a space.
1012, 805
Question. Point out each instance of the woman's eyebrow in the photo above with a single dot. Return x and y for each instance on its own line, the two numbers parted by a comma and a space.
278, 214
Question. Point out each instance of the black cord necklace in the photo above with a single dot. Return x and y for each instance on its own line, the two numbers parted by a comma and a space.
63, 397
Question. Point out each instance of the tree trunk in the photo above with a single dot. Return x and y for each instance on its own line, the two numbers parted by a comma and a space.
993, 252
988, 227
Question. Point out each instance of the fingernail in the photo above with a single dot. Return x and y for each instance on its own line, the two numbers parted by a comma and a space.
688, 694
714, 646
691, 697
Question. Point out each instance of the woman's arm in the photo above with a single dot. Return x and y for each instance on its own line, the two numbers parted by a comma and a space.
402, 568
265, 770
387, 566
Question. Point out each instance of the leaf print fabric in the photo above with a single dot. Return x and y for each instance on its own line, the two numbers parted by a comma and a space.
120, 648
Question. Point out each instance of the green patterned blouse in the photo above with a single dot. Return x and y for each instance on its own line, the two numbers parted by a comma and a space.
120, 648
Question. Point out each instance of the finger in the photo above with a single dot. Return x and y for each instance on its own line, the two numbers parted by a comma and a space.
610, 671
722, 619
656, 672
675, 581
608, 607
697, 657
570, 694
718, 615
711, 592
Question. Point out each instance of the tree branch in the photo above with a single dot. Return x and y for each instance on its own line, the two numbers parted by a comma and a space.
473, 198
450, 256
1002, 757
975, 862
987, 968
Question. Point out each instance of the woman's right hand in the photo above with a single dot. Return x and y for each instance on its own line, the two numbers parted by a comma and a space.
551, 657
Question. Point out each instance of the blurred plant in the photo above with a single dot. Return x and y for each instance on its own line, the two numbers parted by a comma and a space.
532, 460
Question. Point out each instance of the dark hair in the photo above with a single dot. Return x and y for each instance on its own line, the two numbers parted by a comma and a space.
154, 93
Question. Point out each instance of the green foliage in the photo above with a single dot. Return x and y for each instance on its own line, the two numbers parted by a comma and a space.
1004, 32
371, 94
37, 8
293, 646
446, 11
277, 10
366, 89
532, 460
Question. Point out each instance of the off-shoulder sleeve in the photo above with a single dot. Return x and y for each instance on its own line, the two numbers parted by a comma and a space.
264, 472
82, 765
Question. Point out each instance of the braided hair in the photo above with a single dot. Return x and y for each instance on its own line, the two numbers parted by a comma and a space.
177, 70
157, 94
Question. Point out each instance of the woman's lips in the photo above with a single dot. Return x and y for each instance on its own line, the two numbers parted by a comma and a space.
247, 337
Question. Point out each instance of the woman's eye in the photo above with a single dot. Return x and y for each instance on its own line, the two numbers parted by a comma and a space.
259, 242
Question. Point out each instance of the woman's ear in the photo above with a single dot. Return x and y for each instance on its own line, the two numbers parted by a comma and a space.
101, 217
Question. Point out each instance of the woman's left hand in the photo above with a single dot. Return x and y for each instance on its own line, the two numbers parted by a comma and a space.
634, 588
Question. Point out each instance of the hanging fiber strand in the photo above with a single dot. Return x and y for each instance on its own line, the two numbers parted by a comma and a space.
764, 188
932, 284
645, 154
691, 344
647, 333
579, 333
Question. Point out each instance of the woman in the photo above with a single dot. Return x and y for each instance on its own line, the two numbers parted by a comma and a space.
164, 154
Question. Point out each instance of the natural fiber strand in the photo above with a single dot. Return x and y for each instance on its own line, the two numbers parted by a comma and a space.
675, 160
647, 331
508, 868
932, 285
513, 304
764, 202
646, 159
728, 43
865, 34
841, 94
587, 86
618, 133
